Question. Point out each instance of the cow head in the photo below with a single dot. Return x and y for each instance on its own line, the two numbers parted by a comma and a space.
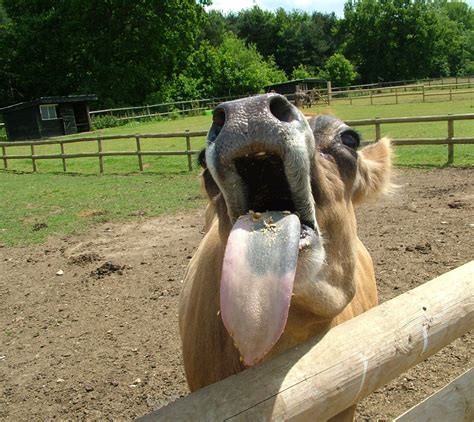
283, 189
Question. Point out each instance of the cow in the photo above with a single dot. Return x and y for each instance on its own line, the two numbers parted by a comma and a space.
280, 261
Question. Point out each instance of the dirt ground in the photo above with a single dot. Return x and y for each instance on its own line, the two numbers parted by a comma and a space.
89, 322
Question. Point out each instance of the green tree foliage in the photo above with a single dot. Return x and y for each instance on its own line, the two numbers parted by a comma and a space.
120, 50
402, 39
227, 70
302, 72
3, 15
292, 38
339, 71
458, 19
129, 52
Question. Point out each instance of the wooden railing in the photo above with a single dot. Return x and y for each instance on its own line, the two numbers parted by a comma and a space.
328, 374
100, 154
423, 92
410, 82
450, 140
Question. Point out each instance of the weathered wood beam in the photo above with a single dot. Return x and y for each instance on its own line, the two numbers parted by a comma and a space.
326, 375
453, 403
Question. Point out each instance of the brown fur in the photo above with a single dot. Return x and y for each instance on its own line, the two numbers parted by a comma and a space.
208, 351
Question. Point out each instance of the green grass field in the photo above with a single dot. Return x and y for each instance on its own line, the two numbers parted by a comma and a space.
36, 205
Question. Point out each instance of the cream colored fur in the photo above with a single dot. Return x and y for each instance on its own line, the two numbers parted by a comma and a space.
342, 287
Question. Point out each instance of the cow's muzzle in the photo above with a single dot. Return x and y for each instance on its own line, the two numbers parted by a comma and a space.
259, 151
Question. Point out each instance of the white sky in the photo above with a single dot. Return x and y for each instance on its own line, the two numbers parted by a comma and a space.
324, 6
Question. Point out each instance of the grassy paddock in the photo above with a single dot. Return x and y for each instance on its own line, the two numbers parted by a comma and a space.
35, 206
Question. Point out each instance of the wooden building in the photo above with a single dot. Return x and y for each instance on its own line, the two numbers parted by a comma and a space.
47, 117
297, 85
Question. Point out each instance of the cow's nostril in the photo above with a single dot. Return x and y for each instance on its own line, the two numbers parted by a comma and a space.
282, 109
218, 117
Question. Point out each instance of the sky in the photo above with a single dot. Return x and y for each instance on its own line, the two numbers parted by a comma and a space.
324, 6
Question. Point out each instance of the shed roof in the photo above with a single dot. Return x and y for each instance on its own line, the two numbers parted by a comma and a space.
50, 100
296, 81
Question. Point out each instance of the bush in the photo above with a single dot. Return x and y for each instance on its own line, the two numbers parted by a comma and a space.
103, 122
339, 71
232, 68
302, 72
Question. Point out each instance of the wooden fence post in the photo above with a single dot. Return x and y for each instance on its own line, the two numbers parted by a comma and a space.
139, 151
371, 97
62, 157
396, 96
423, 89
377, 130
450, 94
4, 153
450, 145
33, 160
188, 149
101, 159
329, 88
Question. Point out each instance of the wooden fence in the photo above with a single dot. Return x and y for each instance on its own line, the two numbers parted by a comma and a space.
406, 82
450, 140
189, 107
100, 154
203, 104
423, 92
319, 379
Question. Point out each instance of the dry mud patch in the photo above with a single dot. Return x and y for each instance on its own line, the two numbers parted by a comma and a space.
100, 341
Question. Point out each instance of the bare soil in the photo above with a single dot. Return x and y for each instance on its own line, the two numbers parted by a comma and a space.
89, 326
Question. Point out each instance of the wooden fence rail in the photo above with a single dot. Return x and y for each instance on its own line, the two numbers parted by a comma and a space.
423, 91
453, 403
100, 154
449, 140
328, 374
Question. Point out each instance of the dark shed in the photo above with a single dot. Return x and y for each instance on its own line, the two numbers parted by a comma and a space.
292, 87
47, 117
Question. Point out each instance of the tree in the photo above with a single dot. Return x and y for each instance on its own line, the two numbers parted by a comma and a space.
120, 50
302, 72
398, 39
339, 71
458, 20
292, 38
3, 15
230, 69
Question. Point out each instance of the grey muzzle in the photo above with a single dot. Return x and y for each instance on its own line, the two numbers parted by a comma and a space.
258, 127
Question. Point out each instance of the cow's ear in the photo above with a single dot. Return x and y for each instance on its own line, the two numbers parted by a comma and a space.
374, 168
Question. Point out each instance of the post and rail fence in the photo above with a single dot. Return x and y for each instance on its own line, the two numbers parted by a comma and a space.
350, 93
450, 140
332, 372
100, 154
422, 92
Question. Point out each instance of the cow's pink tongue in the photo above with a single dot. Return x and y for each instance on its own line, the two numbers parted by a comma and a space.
257, 280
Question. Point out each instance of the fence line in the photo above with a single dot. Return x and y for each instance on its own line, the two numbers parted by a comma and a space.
429, 82
202, 104
328, 374
422, 91
450, 140
164, 109
100, 154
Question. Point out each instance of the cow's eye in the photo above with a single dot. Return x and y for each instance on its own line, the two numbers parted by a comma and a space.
350, 138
